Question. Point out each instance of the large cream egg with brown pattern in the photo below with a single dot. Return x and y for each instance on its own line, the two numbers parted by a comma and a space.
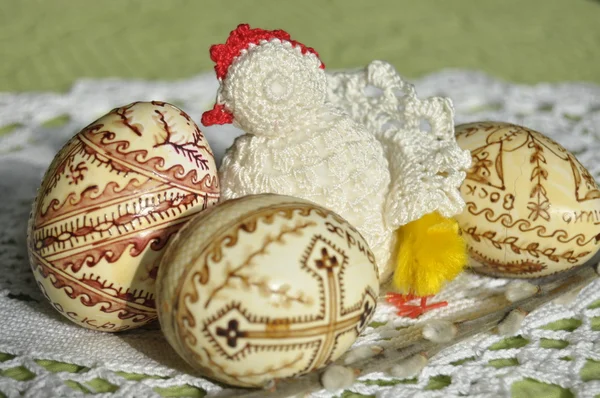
109, 202
532, 210
265, 287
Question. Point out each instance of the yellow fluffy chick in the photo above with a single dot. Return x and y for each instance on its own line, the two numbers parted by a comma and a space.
431, 251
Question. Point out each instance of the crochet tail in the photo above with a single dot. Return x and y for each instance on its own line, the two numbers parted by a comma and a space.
431, 251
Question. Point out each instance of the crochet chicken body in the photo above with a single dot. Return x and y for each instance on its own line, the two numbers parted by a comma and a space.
299, 143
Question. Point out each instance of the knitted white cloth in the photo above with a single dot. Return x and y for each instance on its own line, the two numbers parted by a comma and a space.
556, 348
393, 162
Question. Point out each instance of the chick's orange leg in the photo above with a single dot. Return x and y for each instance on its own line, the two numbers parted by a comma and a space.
401, 302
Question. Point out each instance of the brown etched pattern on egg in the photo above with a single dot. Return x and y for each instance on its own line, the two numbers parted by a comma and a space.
532, 209
108, 204
265, 287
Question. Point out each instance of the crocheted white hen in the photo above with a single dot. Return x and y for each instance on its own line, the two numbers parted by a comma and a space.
299, 143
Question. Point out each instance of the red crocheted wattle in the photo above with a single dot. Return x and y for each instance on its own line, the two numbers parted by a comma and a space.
240, 38
217, 115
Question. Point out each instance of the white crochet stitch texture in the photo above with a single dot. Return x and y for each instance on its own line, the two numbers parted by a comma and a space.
266, 91
426, 164
561, 355
343, 162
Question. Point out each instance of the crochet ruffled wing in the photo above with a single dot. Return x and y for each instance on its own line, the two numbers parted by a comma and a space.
426, 164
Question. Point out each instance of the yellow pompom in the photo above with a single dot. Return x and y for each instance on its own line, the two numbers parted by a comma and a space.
431, 251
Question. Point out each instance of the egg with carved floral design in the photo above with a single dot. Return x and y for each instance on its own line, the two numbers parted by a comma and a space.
265, 287
532, 210
109, 202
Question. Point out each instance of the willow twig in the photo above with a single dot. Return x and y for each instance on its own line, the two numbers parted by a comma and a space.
471, 324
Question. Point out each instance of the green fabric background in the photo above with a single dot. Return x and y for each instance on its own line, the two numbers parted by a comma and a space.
45, 45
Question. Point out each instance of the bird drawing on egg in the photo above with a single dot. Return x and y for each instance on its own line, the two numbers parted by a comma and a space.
298, 143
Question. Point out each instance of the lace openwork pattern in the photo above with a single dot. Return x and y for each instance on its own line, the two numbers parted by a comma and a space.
41, 354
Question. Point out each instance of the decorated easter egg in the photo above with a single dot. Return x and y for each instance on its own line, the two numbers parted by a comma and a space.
532, 209
109, 202
265, 287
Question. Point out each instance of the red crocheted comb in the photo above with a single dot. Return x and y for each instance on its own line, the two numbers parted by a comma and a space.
224, 54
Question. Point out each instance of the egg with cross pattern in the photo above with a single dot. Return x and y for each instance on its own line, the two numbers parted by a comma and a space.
265, 287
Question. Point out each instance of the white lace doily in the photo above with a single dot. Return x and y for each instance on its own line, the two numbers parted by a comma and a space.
31, 330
